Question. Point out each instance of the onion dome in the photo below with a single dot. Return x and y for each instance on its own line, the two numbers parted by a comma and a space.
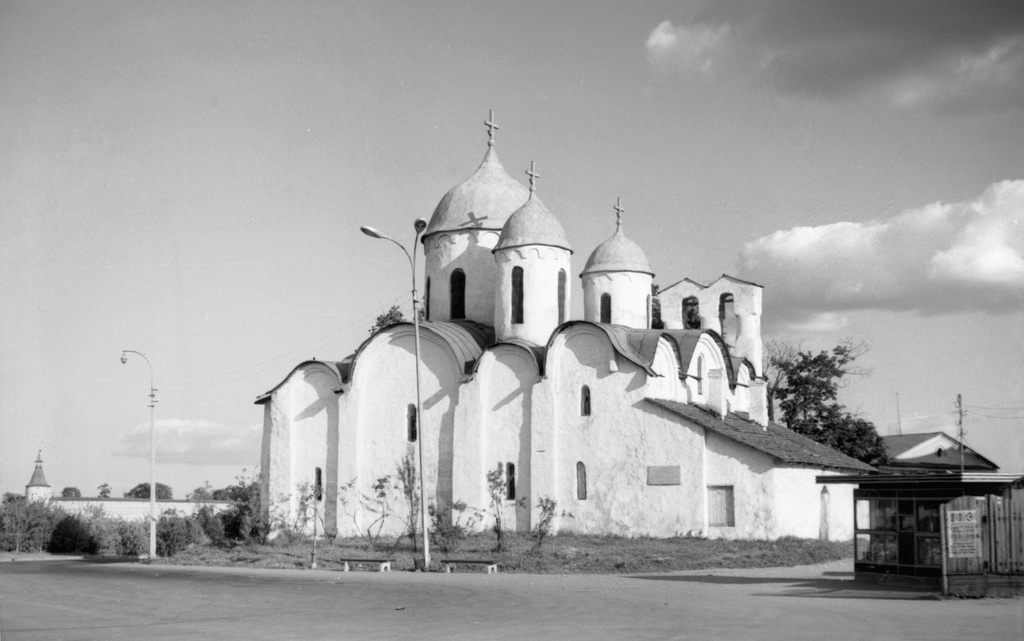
532, 224
485, 200
618, 254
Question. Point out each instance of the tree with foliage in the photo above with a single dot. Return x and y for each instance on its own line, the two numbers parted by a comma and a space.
808, 400
387, 319
104, 491
141, 491
201, 493
71, 493
246, 520
497, 489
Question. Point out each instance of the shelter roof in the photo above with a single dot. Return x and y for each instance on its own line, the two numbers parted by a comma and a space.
942, 454
778, 442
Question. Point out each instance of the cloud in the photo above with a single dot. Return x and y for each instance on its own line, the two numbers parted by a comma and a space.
689, 47
909, 54
937, 259
194, 441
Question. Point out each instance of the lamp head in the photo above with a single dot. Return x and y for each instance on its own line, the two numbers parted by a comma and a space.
419, 225
371, 232
124, 358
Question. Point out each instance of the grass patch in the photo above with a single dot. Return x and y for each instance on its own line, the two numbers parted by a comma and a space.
562, 554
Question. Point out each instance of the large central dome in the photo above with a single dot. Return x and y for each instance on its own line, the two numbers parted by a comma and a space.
485, 200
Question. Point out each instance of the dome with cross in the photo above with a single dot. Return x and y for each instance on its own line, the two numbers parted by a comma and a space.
533, 223
618, 253
485, 200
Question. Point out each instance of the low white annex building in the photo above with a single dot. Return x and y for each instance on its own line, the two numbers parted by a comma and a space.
632, 430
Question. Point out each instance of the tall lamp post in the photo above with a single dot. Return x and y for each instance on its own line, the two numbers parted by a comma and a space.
152, 452
419, 226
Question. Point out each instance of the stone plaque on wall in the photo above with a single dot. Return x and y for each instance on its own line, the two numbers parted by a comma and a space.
663, 475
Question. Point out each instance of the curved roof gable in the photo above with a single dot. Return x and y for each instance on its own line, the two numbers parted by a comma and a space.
632, 350
466, 339
333, 367
639, 346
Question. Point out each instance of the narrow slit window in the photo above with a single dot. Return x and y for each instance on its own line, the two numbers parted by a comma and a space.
510, 481
426, 301
700, 374
458, 294
318, 484
581, 481
411, 424
561, 296
585, 401
517, 295
606, 308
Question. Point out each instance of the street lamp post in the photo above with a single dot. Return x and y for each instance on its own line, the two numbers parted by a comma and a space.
152, 452
419, 226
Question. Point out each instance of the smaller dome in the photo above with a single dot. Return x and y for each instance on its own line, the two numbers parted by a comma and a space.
618, 254
532, 224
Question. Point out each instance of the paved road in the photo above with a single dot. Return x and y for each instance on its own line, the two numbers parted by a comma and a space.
84, 600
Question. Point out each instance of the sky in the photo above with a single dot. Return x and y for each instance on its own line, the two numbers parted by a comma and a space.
187, 179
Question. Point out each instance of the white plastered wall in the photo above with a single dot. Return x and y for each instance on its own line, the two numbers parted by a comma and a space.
499, 433
630, 294
748, 472
541, 265
300, 423
469, 251
619, 440
376, 409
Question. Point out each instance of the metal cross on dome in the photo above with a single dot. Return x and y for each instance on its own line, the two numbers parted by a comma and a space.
618, 212
491, 126
533, 176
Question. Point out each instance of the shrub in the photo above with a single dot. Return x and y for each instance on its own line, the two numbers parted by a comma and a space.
176, 533
103, 531
72, 534
25, 526
212, 524
245, 520
447, 535
132, 538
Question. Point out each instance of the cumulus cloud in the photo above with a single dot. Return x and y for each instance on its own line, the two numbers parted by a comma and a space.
937, 259
690, 47
194, 441
910, 54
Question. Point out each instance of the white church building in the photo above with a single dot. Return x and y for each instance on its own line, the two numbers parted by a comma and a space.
632, 430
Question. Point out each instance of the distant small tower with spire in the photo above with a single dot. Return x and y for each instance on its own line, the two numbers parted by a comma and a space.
38, 489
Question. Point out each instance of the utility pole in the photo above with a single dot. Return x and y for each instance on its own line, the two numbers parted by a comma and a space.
960, 429
899, 420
